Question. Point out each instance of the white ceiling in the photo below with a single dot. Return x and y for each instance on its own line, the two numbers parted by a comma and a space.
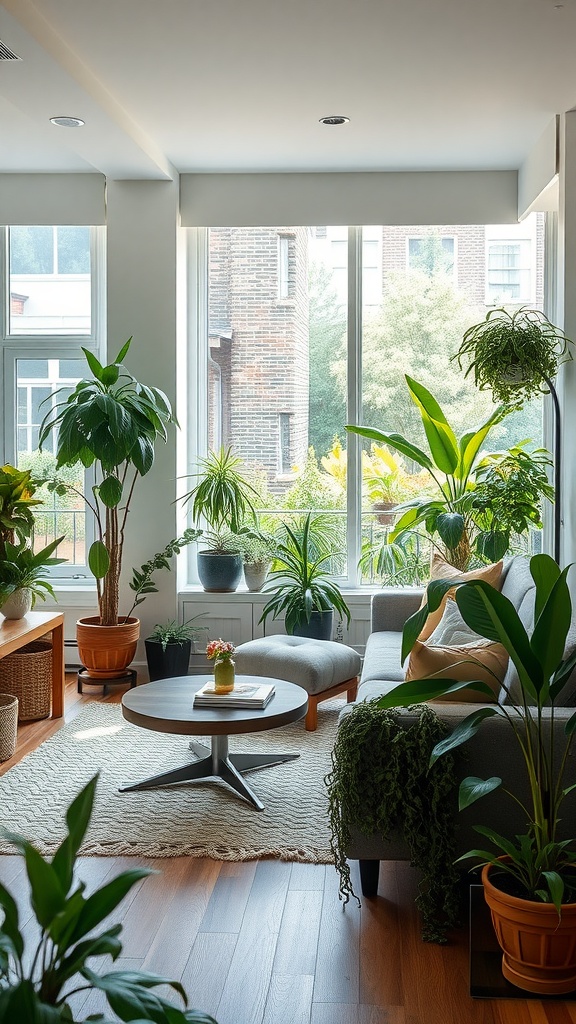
240, 85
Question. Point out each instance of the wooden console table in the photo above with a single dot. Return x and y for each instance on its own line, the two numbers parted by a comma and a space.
15, 633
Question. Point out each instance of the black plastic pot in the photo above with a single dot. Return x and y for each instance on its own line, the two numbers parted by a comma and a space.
219, 574
165, 664
319, 627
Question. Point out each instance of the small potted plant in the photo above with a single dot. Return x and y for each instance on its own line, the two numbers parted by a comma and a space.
529, 879
225, 500
110, 422
23, 577
302, 588
258, 551
42, 966
169, 646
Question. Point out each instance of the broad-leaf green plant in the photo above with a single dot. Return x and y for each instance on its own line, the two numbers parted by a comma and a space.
16, 503
41, 969
452, 463
109, 422
543, 865
301, 583
24, 569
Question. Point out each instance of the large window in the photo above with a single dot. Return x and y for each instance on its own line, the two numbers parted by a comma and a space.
283, 379
51, 281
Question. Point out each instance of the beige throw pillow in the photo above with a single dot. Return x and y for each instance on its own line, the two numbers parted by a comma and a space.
467, 662
442, 570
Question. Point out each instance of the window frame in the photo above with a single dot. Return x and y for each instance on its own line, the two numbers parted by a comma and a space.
193, 442
49, 346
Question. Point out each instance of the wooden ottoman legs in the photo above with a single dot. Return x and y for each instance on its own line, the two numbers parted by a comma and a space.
314, 699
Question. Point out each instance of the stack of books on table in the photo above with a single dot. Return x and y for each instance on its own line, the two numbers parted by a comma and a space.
244, 695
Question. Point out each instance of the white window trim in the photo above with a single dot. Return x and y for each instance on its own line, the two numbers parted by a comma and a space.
49, 346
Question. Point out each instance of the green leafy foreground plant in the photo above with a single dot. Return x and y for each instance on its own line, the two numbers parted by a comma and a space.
37, 984
379, 784
544, 865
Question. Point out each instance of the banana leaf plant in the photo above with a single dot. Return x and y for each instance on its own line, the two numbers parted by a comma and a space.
110, 422
451, 463
42, 968
542, 864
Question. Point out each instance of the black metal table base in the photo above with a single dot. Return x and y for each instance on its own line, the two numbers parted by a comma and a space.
216, 762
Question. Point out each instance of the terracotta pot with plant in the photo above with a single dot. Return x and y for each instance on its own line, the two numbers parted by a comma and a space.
530, 879
109, 424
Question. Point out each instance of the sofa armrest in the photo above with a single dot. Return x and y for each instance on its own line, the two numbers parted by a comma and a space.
392, 606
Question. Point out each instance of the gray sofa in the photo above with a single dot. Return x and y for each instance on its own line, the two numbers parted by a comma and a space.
491, 752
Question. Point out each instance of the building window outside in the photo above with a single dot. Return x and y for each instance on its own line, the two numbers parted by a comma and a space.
432, 254
284, 379
55, 293
285, 274
509, 272
50, 281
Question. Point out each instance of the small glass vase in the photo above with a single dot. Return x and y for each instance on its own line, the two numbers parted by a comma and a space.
224, 675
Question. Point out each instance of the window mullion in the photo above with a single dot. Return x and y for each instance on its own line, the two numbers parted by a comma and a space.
354, 403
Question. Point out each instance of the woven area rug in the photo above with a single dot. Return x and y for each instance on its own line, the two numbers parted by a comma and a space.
196, 819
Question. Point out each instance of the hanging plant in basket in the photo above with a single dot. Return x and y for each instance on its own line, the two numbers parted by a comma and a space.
514, 355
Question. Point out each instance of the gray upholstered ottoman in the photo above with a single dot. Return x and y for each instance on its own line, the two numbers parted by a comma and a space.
322, 667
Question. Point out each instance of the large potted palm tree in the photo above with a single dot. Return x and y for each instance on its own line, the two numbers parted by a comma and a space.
109, 424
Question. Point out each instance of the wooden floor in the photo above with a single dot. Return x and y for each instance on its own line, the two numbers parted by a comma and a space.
269, 942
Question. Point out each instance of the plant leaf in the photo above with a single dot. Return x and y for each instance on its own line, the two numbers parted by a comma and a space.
98, 559
473, 789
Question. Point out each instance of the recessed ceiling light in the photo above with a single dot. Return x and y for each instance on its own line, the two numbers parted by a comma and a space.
67, 122
334, 119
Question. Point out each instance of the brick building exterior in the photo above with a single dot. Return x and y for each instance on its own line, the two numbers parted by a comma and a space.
259, 320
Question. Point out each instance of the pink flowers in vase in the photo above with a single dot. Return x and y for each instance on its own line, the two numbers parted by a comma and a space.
220, 650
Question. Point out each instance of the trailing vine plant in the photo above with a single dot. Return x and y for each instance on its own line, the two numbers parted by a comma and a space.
380, 783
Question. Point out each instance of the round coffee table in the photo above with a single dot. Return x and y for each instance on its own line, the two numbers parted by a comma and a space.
168, 706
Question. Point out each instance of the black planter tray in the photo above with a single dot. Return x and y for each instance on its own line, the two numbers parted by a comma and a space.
486, 978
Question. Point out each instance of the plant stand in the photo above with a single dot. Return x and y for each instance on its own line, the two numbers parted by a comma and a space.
130, 677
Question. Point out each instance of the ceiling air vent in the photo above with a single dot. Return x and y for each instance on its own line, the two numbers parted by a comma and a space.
6, 53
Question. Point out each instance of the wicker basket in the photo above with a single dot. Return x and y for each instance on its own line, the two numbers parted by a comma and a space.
27, 674
8, 725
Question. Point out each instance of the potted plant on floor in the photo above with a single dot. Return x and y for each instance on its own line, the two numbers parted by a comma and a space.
109, 423
23, 577
169, 646
41, 968
302, 588
225, 500
529, 879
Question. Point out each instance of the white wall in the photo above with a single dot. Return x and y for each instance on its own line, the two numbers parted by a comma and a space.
142, 221
566, 310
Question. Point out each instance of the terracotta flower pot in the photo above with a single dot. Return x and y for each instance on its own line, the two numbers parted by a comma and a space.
538, 949
106, 651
